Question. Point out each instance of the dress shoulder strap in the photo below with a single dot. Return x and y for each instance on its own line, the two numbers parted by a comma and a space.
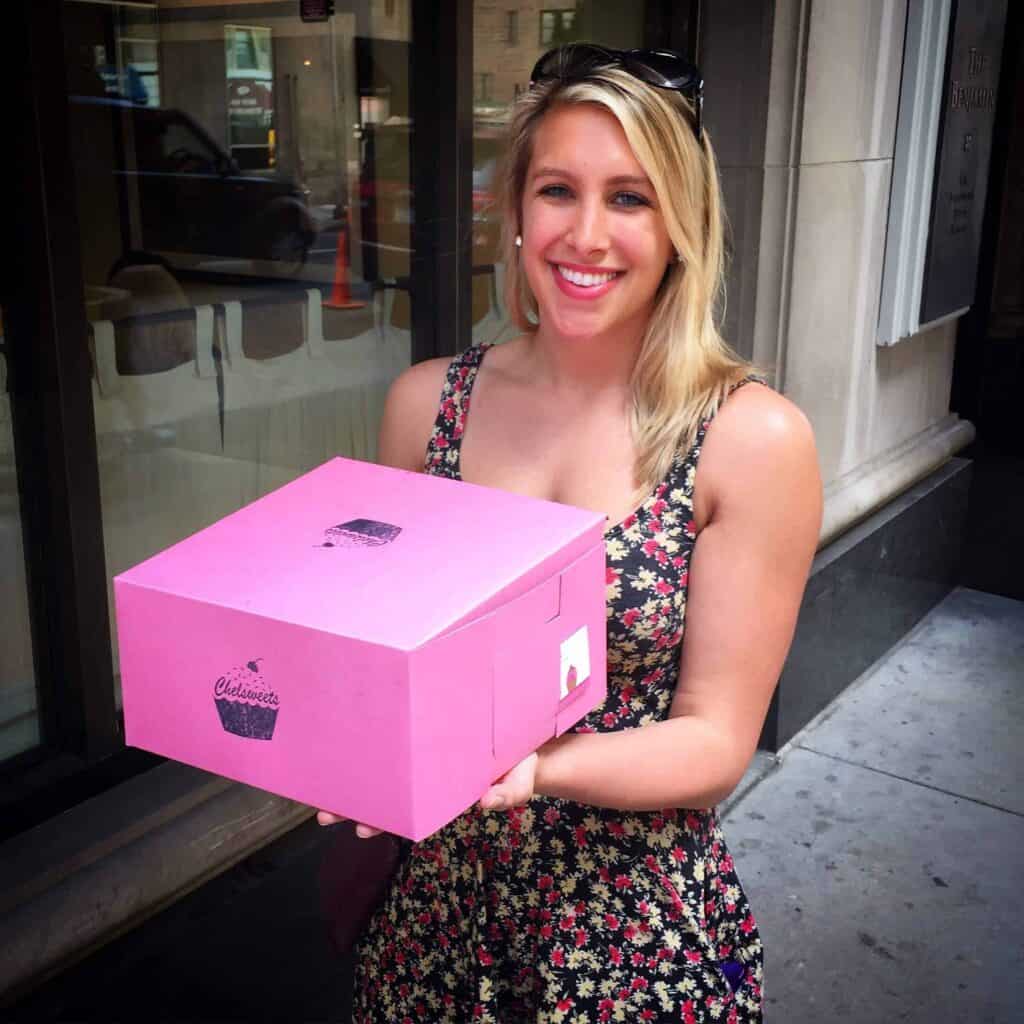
689, 461
442, 455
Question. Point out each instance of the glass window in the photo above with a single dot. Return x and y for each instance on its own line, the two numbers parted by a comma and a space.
557, 27
19, 722
245, 246
500, 74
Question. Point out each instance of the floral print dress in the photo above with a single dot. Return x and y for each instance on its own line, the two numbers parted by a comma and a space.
559, 912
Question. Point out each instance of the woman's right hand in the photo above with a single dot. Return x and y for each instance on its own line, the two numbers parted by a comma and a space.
363, 831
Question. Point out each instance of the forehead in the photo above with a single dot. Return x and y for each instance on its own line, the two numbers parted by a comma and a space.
583, 138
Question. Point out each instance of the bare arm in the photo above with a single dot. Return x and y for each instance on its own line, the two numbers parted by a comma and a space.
409, 413
760, 478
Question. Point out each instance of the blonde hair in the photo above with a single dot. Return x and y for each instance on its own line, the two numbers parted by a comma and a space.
684, 369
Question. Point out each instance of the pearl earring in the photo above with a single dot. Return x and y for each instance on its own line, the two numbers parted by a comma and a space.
519, 241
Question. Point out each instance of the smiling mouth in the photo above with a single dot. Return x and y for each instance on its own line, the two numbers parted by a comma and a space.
585, 279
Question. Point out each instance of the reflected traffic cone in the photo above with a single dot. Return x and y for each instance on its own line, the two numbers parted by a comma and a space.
341, 296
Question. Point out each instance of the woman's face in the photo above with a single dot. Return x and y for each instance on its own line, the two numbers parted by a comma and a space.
595, 246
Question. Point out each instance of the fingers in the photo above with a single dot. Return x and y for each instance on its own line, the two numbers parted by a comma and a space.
363, 831
326, 818
494, 799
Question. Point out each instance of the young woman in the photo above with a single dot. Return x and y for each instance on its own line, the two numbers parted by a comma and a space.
592, 882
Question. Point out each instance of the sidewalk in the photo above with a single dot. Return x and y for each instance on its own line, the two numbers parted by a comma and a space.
884, 853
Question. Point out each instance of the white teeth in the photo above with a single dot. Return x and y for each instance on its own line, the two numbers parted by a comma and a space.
584, 280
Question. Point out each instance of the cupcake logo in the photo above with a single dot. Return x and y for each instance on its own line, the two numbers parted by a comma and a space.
359, 533
245, 702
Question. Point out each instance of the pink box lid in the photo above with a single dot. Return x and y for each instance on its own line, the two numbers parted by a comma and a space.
388, 556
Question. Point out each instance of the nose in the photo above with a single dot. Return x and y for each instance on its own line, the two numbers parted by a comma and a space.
589, 229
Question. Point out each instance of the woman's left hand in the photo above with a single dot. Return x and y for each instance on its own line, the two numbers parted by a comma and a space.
514, 788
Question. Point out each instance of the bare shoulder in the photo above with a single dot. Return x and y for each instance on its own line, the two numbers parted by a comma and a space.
409, 413
759, 444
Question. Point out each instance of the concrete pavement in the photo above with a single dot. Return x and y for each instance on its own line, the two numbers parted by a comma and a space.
884, 852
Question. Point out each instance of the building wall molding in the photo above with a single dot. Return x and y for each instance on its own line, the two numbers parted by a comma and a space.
857, 494
913, 177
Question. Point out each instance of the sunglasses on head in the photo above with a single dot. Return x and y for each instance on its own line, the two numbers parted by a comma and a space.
661, 68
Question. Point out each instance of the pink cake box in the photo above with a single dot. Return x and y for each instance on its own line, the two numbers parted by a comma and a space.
369, 641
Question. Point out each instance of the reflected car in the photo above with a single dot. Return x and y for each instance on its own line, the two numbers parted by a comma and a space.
196, 208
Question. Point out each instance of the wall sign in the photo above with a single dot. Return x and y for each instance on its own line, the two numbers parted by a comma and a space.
315, 10
964, 145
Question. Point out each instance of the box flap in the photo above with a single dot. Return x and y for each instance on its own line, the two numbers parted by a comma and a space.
390, 556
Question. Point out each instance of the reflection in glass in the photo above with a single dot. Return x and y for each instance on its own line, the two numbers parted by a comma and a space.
245, 220
19, 722
503, 57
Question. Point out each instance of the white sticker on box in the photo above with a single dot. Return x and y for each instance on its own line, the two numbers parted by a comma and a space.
575, 669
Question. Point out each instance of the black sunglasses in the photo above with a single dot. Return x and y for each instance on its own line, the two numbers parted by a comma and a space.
661, 68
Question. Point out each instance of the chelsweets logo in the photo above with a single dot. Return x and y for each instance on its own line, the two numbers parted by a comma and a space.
359, 533
245, 702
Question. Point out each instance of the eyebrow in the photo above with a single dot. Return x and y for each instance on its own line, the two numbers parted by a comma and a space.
619, 179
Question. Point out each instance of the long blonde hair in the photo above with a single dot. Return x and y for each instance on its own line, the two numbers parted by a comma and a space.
684, 369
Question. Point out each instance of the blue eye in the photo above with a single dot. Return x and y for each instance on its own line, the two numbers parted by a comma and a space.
555, 191
629, 199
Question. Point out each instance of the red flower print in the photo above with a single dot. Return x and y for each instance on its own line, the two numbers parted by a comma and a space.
558, 957
610, 575
563, 1005
747, 925
581, 937
545, 882
663, 588
623, 882
551, 815
615, 955
611, 921
484, 957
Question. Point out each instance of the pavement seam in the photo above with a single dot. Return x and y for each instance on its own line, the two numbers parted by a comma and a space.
912, 782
